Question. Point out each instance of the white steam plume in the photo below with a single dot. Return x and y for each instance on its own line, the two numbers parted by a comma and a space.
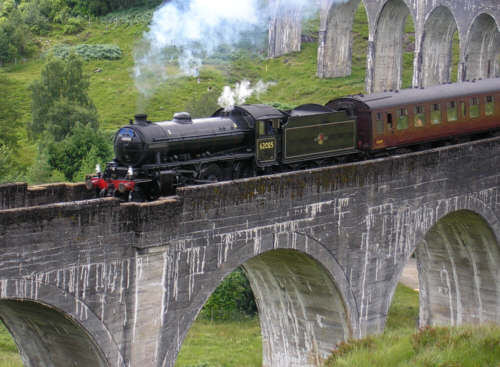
187, 32
231, 97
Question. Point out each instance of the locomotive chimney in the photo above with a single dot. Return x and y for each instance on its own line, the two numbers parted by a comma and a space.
140, 119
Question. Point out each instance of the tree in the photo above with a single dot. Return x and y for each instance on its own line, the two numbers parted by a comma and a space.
61, 100
79, 151
15, 36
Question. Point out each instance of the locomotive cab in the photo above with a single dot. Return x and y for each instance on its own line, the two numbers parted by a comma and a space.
267, 139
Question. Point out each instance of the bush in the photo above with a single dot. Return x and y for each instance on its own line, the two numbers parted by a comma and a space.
129, 17
79, 152
88, 52
15, 38
74, 25
232, 299
34, 17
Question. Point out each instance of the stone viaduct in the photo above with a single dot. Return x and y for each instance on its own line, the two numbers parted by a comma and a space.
95, 282
477, 23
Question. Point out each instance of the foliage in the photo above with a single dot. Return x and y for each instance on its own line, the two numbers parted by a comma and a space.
41, 171
60, 99
77, 154
15, 37
74, 25
102, 7
233, 298
132, 16
88, 52
6, 163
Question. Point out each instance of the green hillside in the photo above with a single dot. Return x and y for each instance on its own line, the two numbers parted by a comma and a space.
113, 91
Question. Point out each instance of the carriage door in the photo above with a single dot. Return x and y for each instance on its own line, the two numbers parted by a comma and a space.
266, 142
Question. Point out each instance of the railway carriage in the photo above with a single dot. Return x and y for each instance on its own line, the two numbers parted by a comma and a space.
421, 117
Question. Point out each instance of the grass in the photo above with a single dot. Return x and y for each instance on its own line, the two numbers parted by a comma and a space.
9, 356
222, 344
401, 345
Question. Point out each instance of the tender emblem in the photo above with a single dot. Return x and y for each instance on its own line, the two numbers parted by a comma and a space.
320, 139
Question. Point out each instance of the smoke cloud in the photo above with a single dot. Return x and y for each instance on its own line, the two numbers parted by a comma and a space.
241, 91
184, 33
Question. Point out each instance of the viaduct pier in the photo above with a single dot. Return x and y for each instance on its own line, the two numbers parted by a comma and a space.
476, 24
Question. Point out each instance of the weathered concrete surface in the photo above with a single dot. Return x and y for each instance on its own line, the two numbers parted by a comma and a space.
324, 250
476, 23
285, 28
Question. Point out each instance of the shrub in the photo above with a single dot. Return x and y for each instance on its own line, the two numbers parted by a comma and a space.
232, 299
88, 52
132, 16
74, 25
78, 153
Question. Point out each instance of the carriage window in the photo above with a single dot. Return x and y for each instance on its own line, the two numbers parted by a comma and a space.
463, 108
489, 108
419, 116
474, 107
379, 123
402, 119
452, 111
389, 120
436, 114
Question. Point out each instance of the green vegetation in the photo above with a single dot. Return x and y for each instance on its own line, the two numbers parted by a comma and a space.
107, 44
232, 300
222, 344
88, 52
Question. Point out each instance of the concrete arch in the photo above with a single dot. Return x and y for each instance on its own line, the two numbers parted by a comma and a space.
388, 53
482, 49
46, 337
458, 262
52, 328
335, 39
437, 46
304, 300
302, 314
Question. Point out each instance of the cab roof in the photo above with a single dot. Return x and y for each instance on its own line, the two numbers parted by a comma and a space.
257, 111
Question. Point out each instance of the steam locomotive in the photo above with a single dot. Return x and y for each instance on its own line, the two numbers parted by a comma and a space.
152, 159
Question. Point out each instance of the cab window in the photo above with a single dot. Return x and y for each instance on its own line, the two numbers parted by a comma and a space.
489, 107
262, 128
452, 111
265, 127
436, 114
419, 116
379, 123
402, 119
474, 107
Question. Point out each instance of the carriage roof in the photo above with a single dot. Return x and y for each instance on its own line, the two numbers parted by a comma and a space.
412, 96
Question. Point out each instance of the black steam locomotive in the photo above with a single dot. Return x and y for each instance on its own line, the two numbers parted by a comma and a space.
152, 159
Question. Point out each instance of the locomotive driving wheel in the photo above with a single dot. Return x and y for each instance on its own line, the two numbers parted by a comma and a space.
210, 173
243, 169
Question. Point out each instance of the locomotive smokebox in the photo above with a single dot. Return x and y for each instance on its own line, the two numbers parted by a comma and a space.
141, 119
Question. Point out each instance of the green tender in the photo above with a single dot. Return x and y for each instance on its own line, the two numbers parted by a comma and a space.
319, 140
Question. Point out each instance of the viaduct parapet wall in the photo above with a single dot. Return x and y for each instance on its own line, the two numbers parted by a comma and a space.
476, 23
323, 250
